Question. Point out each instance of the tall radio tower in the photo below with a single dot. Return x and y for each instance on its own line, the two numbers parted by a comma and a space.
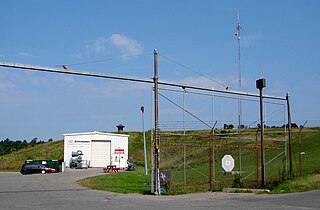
237, 34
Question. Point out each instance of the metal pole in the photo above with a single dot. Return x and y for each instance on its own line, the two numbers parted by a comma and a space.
213, 169
144, 143
257, 157
211, 160
261, 83
185, 167
151, 146
240, 163
211, 156
156, 127
238, 27
184, 110
265, 116
212, 117
290, 134
262, 143
284, 120
222, 127
300, 146
286, 154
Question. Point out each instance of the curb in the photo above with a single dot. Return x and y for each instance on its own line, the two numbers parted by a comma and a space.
245, 190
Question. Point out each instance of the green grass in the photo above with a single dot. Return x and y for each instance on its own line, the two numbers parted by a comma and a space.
47, 151
197, 158
123, 182
299, 184
311, 147
135, 144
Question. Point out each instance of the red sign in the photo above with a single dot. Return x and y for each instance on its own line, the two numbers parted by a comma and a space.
118, 151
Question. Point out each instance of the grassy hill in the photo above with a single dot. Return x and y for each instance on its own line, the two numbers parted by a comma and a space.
54, 150
47, 151
311, 148
135, 182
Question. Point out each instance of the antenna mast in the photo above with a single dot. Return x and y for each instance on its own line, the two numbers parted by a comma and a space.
237, 34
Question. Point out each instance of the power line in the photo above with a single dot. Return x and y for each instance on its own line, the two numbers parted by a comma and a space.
185, 110
220, 96
104, 60
129, 78
186, 67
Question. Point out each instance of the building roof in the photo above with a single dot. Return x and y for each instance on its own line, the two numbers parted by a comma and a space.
120, 126
95, 133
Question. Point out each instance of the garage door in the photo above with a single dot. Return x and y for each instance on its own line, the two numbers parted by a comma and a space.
100, 153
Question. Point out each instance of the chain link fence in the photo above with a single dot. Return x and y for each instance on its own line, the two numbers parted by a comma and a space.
192, 162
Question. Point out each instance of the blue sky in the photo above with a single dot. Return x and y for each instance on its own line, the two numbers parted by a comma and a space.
279, 41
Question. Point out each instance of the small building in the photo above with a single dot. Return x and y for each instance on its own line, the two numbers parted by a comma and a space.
120, 127
97, 149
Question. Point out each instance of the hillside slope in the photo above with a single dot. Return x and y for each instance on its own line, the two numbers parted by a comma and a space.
54, 151
47, 151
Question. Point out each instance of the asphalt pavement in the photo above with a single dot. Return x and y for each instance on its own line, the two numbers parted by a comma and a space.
60, 191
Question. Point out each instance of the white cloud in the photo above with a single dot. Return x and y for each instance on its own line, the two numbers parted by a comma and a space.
127, 46
113, 89
24, 54
100, 45
76, 55
122, 44
5, 85
43, 80
251, 40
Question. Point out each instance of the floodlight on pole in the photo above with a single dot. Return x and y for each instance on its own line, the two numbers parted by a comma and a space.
260, 84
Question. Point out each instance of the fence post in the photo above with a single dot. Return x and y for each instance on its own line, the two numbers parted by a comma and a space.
240, 168
257, 157
300, 146
184, 168
211, 159
214, 169
290, 134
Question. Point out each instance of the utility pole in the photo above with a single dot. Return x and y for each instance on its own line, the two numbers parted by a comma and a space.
156, 127
260, 84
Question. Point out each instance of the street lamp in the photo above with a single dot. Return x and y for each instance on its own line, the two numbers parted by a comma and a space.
144, 143
260, 84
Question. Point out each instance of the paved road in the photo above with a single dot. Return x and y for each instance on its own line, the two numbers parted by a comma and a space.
60, 191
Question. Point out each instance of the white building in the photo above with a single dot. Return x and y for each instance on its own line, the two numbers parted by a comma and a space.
99, 149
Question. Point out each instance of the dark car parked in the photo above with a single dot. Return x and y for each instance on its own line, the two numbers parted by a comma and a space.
32, 168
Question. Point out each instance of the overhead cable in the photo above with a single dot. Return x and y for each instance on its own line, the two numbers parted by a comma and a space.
186, 67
